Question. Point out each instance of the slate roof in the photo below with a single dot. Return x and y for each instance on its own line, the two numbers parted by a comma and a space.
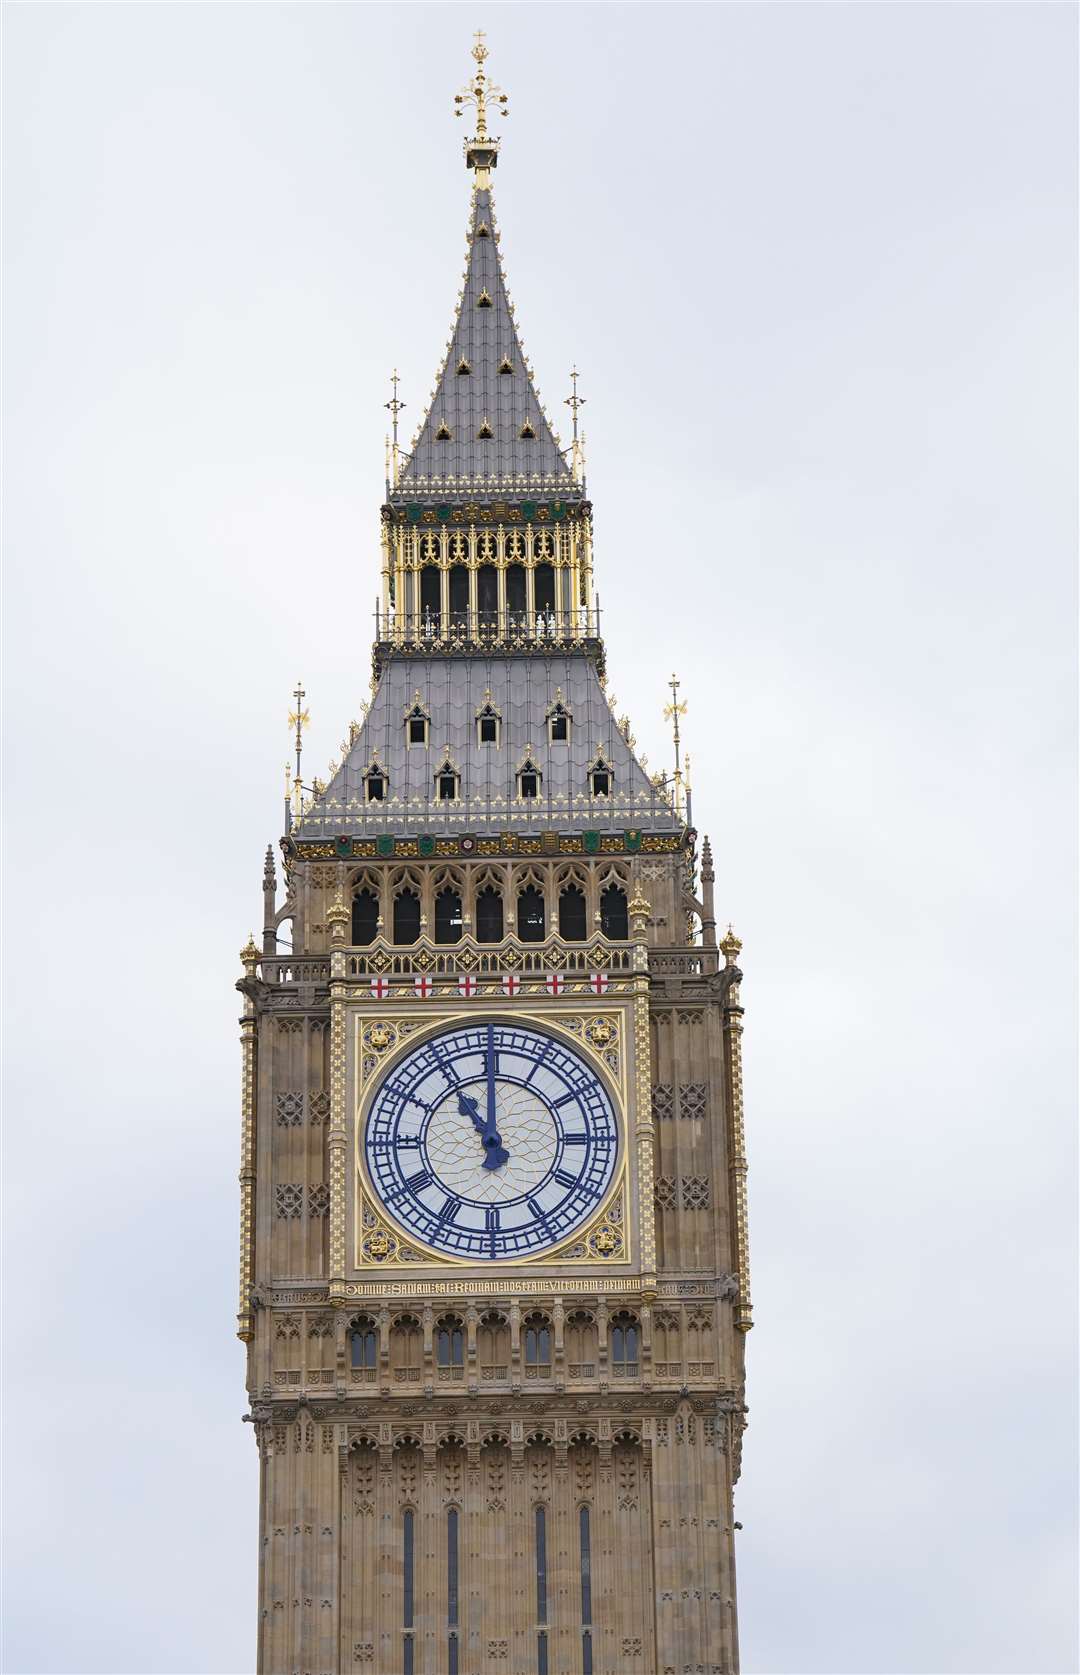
452, 690
463, 402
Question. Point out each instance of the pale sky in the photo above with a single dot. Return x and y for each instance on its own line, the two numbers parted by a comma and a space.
817, 265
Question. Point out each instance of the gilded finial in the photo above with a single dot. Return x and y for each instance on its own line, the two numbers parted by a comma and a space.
482, 151
394, 407
672, 712
574, 401
730, 946
249, 953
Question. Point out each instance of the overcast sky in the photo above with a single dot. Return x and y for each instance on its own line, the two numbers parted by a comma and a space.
817, 265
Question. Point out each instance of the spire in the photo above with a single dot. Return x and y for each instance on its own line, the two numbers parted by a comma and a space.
484, 425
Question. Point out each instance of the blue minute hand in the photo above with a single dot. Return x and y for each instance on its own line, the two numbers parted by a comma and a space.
497, 1154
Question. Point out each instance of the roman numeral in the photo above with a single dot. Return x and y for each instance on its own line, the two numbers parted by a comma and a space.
567, 1099
575, 1139
564, 1179
449, 1211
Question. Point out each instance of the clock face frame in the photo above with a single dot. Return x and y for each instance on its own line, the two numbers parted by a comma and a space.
445, 1108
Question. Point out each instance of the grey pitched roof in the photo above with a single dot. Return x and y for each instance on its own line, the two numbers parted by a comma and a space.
464, 402
522, 689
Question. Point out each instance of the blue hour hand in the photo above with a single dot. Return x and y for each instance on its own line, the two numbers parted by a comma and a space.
497, 1154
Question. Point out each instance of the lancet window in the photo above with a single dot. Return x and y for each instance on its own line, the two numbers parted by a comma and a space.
614, 913
363, 1345
406, 916
365, 917
489, 914
531, 914
625, 1340
573, 915
537, 1346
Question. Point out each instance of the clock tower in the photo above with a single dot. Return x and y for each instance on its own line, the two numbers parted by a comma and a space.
494, 1274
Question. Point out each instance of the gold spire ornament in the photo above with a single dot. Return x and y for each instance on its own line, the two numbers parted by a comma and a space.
574, 401
299, 718
672, 712
482, 151
394, 407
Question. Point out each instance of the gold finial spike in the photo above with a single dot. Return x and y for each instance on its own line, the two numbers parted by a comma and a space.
574, 401
299, 718
394, 407
249, 953
672, 712
482, 151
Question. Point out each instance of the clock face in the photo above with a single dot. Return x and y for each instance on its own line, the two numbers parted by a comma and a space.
491, 1141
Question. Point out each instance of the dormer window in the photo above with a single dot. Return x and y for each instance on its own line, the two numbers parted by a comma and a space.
463, 368
443, 433
488, 722
506, 366
601, 778
527, 433
483, 230
529, 778
376, 783
484, 299
417, 722
558, 718
485, 433
447, 782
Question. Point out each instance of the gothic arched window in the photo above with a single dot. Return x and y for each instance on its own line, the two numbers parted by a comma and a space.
406, 916
537, 1328
614, 917
489, 915
363, 1343
530, 914
450, 1342
376, 783
573, 925
625, 1339
448, 915
365, 918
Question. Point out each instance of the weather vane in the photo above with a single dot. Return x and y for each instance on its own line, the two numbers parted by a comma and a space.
481, 152
672, 712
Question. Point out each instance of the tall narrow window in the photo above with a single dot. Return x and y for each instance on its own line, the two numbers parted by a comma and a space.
448, 916
528, 779
452, 1589
365, 918
363, 1344
614, 920
537, 1346
530, 915
406, 917
572, 926
489, 915
624, 1346
541, 1591
450, 1344
431, 599
375, 783
585, 1542
407, 1570
459, 595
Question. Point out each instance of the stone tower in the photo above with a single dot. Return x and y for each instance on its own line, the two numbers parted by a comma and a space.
494, 1272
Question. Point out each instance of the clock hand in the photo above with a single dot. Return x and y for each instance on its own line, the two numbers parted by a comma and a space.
497, 1154
491, 1072
470, 1107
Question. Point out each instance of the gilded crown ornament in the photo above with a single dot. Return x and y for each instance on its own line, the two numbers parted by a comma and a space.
730, 945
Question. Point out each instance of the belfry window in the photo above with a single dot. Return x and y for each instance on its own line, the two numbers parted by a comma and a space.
530, 915
489, 915
572, 916
448, 916
614, 916
365, 918
406, 917
375, 783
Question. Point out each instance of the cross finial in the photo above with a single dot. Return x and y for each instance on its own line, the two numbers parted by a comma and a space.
394, 407
672, 712
299, 718
481, 153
